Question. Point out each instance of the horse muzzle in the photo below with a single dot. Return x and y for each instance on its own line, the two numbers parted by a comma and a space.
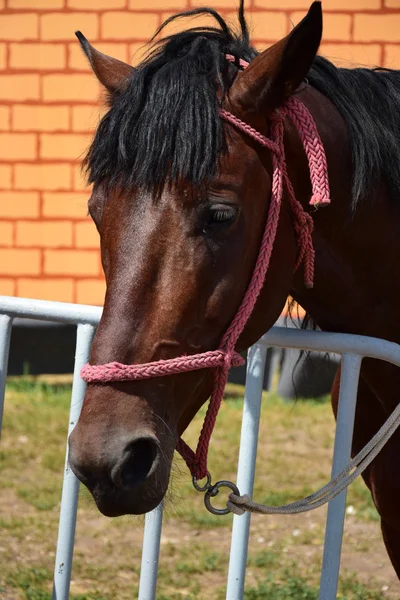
130, 474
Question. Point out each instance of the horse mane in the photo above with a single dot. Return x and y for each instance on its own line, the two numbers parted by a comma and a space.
369, 102
163, 126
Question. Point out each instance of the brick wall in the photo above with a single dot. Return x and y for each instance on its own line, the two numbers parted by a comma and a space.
49, 106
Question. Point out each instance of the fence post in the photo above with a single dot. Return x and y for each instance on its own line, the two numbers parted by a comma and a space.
246, 468
350, 372
5, 335
150, 554
69, 498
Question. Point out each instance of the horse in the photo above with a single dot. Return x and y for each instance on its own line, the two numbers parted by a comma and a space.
180, 200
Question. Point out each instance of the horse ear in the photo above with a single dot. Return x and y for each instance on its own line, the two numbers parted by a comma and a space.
109, 71
275, 74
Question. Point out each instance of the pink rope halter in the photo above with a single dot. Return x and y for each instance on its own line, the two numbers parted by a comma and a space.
226, 356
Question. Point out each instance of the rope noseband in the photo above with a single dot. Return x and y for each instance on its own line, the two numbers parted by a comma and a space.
226, 356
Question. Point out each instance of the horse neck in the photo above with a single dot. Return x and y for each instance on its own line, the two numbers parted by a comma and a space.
351, 265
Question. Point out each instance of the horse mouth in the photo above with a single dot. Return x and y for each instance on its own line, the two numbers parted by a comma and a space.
112, 501
115, 503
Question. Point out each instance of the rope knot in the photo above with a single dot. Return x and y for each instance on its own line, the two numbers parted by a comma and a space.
228, 360
231, 358
237, 360
235, 503
278, 115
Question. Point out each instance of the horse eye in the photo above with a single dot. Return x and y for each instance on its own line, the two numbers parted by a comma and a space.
221, 215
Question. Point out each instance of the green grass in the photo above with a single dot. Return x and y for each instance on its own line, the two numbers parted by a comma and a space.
296, 588
284, 557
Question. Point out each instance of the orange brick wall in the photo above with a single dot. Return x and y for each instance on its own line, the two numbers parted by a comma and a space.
49, 106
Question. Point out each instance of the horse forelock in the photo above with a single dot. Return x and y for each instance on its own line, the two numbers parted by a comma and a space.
163, 126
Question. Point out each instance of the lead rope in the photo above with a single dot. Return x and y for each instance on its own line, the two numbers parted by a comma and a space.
239, 504
226, 356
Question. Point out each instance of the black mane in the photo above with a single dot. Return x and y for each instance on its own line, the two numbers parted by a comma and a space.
164, 125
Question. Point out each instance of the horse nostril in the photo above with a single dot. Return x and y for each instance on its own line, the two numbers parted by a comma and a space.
137, 462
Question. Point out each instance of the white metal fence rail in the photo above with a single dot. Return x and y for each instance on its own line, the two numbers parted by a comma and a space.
352, 348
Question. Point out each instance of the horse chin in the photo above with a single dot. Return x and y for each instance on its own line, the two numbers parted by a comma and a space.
142, 499
131, 503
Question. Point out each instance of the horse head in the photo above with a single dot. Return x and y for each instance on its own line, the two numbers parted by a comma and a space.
180, 200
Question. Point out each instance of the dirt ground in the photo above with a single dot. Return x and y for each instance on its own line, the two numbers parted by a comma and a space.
101, 542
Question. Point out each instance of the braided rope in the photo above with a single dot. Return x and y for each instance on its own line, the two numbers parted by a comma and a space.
116, 371
273, 145
225, 357
231, 58
314, 150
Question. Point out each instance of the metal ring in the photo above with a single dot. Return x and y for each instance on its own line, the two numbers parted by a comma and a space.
203, 488
214, 491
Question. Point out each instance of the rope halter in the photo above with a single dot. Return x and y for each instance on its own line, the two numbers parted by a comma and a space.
225, 356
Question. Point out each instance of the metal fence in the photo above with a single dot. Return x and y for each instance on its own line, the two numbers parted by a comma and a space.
352, 348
